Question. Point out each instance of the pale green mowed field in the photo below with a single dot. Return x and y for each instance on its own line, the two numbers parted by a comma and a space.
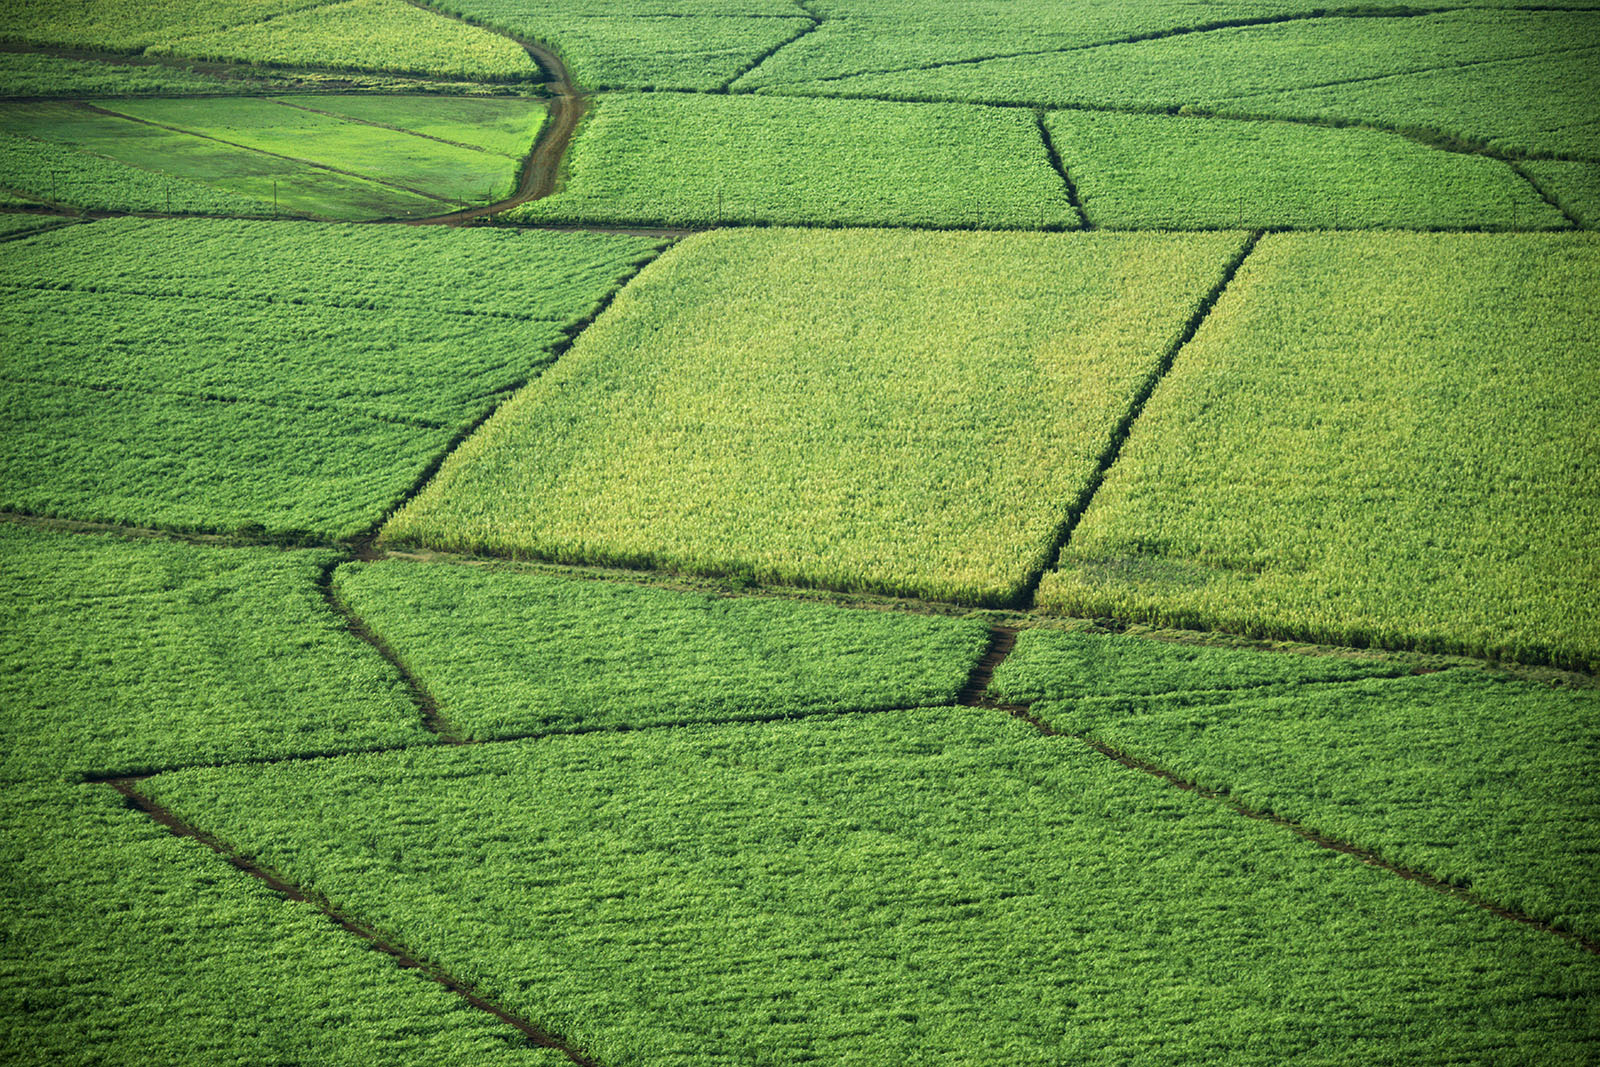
616, 724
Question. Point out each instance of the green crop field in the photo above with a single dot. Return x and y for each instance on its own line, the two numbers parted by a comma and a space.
130, 656
510, 654
648, 44
746, 408
123, 944
256, 156
1575, 186
915, 887
1223, 66
1469, 778
681, 160
657, 533
386, 35
1142, 171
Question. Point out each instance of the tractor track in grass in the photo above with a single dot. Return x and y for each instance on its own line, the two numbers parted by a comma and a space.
535, 1035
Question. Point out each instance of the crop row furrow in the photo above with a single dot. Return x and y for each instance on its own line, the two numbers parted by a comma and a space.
221, 398
387, 126
227, 299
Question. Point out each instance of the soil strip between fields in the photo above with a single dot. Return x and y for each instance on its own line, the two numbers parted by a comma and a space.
427, 703
535, 1035
1119, 435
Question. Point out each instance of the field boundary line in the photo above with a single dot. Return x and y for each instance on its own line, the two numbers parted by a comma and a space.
1124, 426
1365, 855
755, 64
1465, 64
229, 27
1154, 35
67, 287
1060, 167
1548, 197
218, 67
1003, 639
259, 151
60, 222
176, 826
1428, 136
212, 537
763, 719
387, 126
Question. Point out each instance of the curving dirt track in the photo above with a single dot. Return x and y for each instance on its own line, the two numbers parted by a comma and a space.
543, 165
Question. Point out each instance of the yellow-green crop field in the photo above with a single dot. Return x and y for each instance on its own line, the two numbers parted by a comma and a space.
751, 533
1372, 441
904, 413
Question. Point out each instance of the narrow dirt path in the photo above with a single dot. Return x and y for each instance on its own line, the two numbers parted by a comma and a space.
542, 169
1002, 639
427, 703
535, 1035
